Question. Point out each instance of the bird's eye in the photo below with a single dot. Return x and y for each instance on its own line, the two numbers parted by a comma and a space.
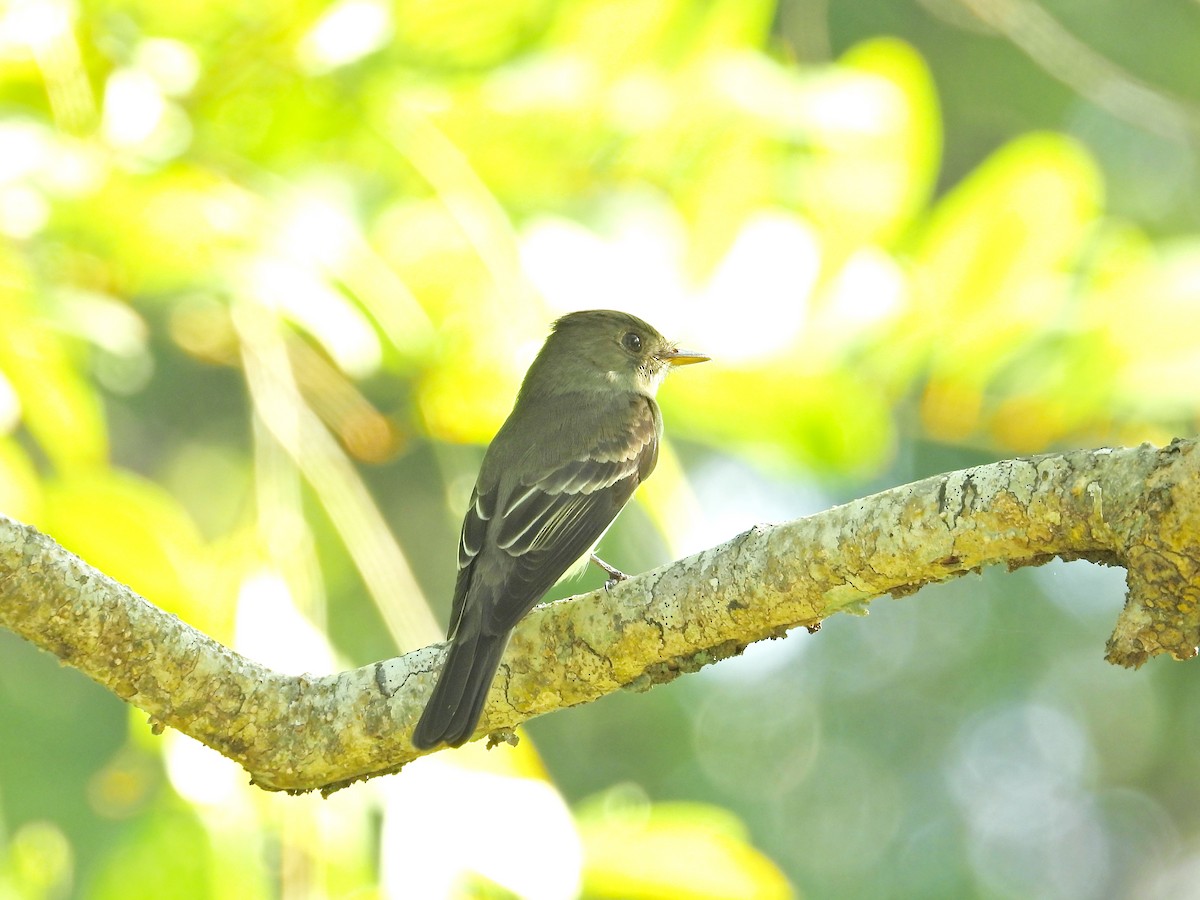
632, 342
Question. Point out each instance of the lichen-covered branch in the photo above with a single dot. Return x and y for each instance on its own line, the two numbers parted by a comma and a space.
1139, 508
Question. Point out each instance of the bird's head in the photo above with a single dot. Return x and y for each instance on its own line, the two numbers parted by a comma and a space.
603, 347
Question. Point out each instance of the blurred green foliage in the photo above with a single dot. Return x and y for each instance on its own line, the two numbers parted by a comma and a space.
270, 275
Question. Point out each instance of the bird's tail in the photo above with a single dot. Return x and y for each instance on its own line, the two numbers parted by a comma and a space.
456, 704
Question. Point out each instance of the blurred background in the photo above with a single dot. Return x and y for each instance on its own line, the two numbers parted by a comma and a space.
270, 274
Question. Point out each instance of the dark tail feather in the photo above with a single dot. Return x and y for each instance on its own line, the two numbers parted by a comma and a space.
457, 701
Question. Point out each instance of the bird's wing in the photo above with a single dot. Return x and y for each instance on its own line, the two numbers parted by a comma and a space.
547, 523
470, 543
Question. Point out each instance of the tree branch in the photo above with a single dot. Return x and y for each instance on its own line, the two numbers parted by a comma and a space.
1139, 508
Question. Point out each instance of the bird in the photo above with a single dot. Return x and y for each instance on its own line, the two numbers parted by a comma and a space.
582, 435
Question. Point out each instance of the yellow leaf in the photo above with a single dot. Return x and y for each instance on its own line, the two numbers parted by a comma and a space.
58, 405
673, 851
996, 261
20, 491
130, 529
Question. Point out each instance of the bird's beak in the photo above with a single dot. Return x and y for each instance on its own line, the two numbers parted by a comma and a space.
683, 357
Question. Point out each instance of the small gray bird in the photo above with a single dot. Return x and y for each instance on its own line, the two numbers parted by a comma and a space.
582, 436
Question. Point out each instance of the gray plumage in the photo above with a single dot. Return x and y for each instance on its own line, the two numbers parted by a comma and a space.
581, 437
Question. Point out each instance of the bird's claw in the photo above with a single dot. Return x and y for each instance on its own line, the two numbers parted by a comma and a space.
615, 575
502, 736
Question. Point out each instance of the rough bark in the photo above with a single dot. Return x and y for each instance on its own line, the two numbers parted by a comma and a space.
1138, 508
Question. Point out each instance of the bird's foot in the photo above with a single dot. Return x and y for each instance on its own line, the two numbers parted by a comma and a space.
502, 736
615, 575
